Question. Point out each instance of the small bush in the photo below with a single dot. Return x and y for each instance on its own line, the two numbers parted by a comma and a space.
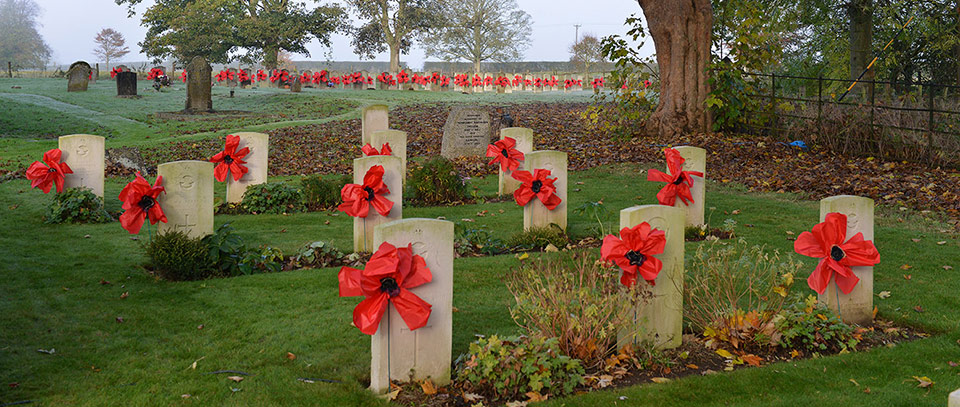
230, 257
538, 239
322, 193
318, 254
477, 241
436, 182
508, 368
576, 300
272, 197
807, 325
177, 257
77, 205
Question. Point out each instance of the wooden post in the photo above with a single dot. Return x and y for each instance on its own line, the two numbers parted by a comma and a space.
930, 125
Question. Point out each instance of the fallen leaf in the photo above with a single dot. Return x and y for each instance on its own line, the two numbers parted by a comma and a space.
184, 396
104, 282
119, 320
517, 403
855, 382
884, 294
952, 363
735, 212
534, 397
199, 326
916, 240
789, 233
391, 395
125, 295
193, 366
454, 309
724, 353
659, 379
906, 267
866, 390
693, 366
551, 248
752, 359
794, 353
428, 387
923, 381
523, 256
942, 242
908, 276
235, 378
875, 309
291, 356
13, 385
49, 352
918, 308
470, 397
948, 268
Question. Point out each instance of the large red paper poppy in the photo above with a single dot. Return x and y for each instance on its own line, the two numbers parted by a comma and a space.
536, 185
836, 256
371, 150
230, 161
140, 202
387, 278
45, 176
678, 181
505, 152
358, 198
633, 252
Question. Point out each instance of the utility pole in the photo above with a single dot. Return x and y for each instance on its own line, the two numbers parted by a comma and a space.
576, 33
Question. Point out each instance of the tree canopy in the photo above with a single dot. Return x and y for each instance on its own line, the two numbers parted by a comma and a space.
110, 45
20, 42
393, 25
480, 30
586, 52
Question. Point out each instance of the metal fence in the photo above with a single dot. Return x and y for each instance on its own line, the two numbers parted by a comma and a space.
917, 122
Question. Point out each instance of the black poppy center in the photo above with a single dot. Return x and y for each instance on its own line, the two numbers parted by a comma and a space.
505, 153
228, 159
389, 285
146, 203
636, 259
369, 192
678, 181
536, 186
837, 253
52, 170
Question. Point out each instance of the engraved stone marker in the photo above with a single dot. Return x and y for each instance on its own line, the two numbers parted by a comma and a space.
84, 154
425, 352
954, 399
661, 319
198, 86
188, 198
398, 144
295, 85
695, 160
466, 132
78, 76
259, 144
524, 138
856, 307
126, 84
535, 214
373, 118
363, 228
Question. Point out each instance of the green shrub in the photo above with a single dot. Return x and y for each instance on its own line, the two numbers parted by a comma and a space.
272, 197
508, 368
77, 205
538, 238
807, 325
177, 257
472, 241
230, 257
318, 254
322, 193
436, 182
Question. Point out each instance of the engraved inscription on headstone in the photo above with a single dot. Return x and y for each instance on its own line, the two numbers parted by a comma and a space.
466, 132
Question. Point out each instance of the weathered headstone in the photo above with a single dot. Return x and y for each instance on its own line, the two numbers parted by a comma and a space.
695, 159
84, 154
425, 352
126, 84
247, 78
856, 307
954, 399
373, 118
78, 76
259, 145
233, 80
535, 214
363, 228
95, 73
398, 145
188, 198
304, 75
661, 319
466, 133
199, 97
295, 85
524, 138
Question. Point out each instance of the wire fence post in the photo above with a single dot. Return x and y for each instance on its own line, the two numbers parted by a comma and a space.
930, 124
873, 128
819, 103
773, 104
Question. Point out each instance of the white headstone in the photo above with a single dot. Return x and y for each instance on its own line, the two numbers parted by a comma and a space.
524, 138
84, 154
187, 200
256, 160
954, 399
363, 228
373, 118
661, 319
398, 144
535, 214
856, 307
425, 352
695, 160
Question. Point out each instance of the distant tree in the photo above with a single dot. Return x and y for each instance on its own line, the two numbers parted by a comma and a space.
586, 52
20, 42
392, 24
480, 30
110, 45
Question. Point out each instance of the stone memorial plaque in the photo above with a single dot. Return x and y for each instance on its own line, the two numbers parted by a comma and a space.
259, 145
84, 154
199, 93
373, 118
187, 200
467, 132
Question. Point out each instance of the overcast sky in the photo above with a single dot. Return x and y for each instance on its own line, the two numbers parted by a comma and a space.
69, 27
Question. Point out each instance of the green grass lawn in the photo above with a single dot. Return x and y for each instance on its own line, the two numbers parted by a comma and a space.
51, 298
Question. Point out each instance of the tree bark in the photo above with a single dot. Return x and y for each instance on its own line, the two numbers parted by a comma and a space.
476, 66
681, 34
394, 57
271, 54
861, 42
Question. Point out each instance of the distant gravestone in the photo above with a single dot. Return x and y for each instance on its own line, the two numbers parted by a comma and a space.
188, 198
363, 228
126, 84
397, 353
524, 138
398, 146
233, 79
954, 399
307, 78
295, 85
466, 133
695, 159
199, 97
373, 118
857, 306
78, 77
259, 145
84, 154
247, 80
535, 213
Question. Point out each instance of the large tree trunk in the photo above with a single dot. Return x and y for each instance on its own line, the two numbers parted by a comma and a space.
395, 57
861, 42
271, 54
476, 66
681, 34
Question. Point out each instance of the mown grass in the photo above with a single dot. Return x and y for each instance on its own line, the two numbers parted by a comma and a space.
44, 123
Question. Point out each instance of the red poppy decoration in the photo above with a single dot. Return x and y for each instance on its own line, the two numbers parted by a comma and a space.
678, 181
536, 185
358, 198
387, 279
633, 252
505, 152
370, 150
50, 172
140, 202
836, 256
230, 161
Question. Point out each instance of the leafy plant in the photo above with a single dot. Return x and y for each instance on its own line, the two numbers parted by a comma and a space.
807, 325
538, 238
76, 205
322, 192
318, 254
595, 210
575, 299
227, 252
436, 182
178, 257
272, 197
506, 368
468, 241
